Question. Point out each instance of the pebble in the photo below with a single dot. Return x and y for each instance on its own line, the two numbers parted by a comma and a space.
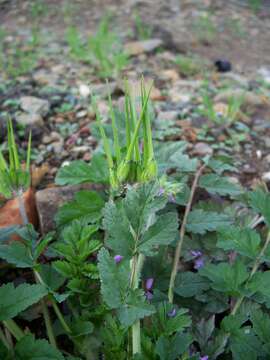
145, 46
29, 119
266, 176
202, 149
34, 105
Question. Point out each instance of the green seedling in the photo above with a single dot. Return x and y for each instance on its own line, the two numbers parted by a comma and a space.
205, 29
143, 31
103, 50
14, 178
187, 65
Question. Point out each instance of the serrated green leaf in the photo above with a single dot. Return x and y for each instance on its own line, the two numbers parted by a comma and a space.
199, 221
204, 329
172, 348
81, 328
226, 277
219, 185
177, 323
163, 232
137, 213
189, 284
16, 254
220, 166
14, 300
86, 207
119, 239
64, 268
51, 277
114, 279
134, 308
260, 283
30, 349
261, 326
260, 202
244, 241
79, 172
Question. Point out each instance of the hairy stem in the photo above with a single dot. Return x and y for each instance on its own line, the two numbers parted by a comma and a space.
182, 234
4, 339
136, 267
14, 329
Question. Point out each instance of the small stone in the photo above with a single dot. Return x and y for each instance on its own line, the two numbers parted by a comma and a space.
34, 105
168, 115
84, 90
29, 119
81, 114
77, 150
140, 47
54, 136
87, 156
49, 200
265, 74
202, 149
266, 176
171, 75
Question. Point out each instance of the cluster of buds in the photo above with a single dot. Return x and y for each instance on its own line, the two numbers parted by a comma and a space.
135, 162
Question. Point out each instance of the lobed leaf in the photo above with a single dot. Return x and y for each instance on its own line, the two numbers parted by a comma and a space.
15, 300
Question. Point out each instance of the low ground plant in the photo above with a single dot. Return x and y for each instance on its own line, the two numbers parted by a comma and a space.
150, 267
103, 49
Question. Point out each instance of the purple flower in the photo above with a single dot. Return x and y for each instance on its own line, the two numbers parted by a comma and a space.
204, 357
196, 253
149, 283
148, 295
172, 313
118, 259
161, 191
198, 263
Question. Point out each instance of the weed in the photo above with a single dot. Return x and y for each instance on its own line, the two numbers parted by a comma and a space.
187, 65
205, 28
103, 49
142, 30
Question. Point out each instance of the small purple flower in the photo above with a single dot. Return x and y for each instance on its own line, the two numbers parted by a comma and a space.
172, 313
204, 357
148, 295
198, 263
161, 191
149, 283
118, 258
196, 253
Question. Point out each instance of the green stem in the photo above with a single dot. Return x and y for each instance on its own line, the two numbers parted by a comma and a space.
60, 317
48, 323
4, 339
117, 148
136, 267
55, 307
182, 234
14, 329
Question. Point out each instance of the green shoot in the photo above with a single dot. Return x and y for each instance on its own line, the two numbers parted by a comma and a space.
13, 177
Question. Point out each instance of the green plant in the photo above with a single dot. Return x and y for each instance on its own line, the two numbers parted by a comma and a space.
103, 50
130, 164
14, 178
142, 30
168, 268
230, 111
205, 28
187, 65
